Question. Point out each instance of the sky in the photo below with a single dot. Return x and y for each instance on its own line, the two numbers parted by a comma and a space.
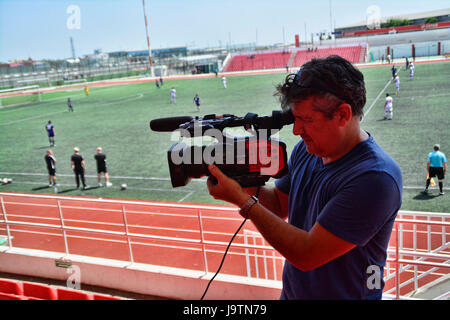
41, 29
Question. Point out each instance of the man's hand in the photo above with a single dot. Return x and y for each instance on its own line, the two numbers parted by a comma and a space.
226, 188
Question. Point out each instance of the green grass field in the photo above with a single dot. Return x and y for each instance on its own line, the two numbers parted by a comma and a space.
117, 119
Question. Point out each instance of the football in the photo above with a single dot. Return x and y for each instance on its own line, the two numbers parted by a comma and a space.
123, 186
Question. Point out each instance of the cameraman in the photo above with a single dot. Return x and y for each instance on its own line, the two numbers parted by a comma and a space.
340, 196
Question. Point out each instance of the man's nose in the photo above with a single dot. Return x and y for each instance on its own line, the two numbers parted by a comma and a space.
298, 128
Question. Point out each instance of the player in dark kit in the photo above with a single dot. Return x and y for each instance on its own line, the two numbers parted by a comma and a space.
78, 165
69, 104
101, 167
51, 167
197, 101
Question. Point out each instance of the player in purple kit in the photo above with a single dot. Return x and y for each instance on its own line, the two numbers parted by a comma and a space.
51, 133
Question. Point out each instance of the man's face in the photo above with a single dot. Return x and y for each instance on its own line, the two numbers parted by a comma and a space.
317, 131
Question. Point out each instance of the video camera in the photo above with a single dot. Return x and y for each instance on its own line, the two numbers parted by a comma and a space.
250, 160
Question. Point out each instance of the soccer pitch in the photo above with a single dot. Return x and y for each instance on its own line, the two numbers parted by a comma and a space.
117, 119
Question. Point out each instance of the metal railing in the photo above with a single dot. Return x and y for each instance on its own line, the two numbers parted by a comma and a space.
194, 237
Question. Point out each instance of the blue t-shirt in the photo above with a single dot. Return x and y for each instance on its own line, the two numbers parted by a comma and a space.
436, 159
356, 198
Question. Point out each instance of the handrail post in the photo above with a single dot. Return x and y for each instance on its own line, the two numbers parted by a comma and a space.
126, 233
6, 223
63, 227
202, 239
397, 268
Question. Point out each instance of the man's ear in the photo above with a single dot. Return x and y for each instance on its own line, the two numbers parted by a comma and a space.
343, 114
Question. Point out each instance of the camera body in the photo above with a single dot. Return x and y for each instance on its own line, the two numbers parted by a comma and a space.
250, 160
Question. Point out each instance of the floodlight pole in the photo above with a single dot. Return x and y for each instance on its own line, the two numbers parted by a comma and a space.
150, 60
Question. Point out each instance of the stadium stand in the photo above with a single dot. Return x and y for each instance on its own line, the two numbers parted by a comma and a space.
22, 290
351, 53
293, 57
255, 61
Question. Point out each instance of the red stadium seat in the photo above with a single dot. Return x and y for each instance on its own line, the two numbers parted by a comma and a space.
10, 296
102, 297
10, 286
39, 291
67, 294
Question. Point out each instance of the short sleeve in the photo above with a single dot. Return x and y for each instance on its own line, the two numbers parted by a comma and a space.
362, 207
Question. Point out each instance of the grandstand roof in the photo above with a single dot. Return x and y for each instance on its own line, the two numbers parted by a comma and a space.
412, 16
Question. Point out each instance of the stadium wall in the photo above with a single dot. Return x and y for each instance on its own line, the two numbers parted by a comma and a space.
422, 49
165, 282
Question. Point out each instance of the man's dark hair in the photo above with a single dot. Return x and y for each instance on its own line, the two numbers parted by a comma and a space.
321, 77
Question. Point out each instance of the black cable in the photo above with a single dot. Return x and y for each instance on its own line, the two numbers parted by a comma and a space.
223, 259
225, 254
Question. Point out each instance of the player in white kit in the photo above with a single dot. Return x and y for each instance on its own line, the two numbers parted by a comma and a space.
388, 109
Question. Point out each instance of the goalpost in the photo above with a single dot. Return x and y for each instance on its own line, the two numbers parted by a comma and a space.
21, 95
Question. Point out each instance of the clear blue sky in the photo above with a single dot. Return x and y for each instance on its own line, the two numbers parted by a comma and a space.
38, 28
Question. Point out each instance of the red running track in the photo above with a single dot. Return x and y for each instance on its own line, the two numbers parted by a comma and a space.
169, 234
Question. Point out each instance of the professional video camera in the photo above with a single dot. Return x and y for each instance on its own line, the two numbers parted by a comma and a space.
250, 160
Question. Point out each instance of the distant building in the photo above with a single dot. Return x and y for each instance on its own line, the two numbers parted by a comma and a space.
416, 22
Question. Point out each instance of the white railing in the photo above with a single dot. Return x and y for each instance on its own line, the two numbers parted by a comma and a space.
195, 237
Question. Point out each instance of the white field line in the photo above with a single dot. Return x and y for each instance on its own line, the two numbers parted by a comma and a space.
93, 176
95, 187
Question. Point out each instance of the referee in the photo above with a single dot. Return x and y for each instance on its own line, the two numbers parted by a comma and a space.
436, 166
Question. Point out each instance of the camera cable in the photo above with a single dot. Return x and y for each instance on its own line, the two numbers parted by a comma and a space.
226, 251
223, 259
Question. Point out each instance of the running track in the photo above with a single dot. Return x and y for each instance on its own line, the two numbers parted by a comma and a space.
166, 234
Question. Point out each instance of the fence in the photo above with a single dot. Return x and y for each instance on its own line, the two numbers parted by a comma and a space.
194, 237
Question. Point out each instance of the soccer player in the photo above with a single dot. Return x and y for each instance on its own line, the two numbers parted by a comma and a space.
78, 166
411, 71
197, 101
86, 90
69, 104
51, 133
388, 107
397, 84
173, 96
436, 166
101, 167
157, 84
394, 71
51, 167
224, 82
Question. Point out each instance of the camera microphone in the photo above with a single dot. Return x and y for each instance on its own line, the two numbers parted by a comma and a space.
168, 124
